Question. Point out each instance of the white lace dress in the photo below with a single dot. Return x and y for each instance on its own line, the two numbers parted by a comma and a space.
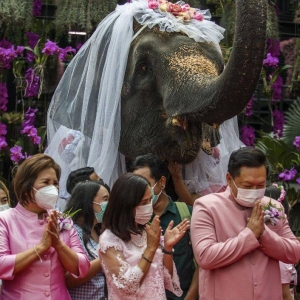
119, 260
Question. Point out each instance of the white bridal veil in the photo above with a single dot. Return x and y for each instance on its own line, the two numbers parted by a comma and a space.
83, 123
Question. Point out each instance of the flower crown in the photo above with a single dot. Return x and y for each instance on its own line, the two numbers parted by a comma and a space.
180, 10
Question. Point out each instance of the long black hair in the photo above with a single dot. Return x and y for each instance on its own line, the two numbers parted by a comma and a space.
82, 200
126, 194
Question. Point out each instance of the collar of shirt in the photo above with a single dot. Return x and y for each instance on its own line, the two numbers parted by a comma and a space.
28, 214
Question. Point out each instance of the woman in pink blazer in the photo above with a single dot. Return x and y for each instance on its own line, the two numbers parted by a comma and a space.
37, 246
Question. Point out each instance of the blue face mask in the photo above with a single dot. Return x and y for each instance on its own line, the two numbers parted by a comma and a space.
154, 197
99, 215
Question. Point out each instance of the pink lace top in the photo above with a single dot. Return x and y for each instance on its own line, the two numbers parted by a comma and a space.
119, 260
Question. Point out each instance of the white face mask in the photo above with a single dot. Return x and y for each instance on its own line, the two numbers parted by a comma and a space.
46, 197
4, 207
143, 213
247, 197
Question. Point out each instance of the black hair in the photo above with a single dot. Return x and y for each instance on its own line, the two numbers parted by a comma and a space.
158, 168
245, 157
79, 175
126, 194
82, 200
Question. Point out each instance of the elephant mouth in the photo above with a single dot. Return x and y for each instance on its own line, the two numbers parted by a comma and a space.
186, 137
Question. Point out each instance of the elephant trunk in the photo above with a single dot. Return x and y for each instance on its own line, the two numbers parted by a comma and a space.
219, 98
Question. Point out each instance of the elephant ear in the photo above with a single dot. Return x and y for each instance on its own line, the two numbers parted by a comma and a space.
210, 137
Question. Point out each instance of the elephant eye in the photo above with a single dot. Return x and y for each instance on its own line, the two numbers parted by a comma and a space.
143, 67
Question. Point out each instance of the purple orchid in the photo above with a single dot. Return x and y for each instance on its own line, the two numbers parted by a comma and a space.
296, 142
32, 83
277, 89
65, 52
278, 121
16, 153
248, 135
3, 96
3, 143
3, 130
37, 7
272, 214
270, 61
273, 47
50, 48
248, 112
287, 175
32, 38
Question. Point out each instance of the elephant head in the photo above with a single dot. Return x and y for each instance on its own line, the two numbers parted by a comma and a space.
137, 87
176, 91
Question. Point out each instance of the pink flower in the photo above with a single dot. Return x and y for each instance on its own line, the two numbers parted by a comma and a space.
198, 16
152, 4
298, 181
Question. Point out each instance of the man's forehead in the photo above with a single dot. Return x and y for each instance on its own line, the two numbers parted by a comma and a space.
252, 174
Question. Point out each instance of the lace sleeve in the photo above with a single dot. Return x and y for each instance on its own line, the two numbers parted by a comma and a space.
172, 283
121, 274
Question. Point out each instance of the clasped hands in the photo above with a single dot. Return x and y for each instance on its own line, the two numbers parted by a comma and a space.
256, 221
171, 235
51, 233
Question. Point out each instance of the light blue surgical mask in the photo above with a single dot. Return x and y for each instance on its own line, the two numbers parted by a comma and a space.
154, 197
99, 215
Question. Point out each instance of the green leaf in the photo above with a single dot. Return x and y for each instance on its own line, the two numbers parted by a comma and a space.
279, 154
292, 123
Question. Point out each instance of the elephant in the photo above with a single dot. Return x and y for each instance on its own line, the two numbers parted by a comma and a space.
136, 88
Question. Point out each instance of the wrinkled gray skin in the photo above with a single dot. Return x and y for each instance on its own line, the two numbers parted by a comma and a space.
174, 88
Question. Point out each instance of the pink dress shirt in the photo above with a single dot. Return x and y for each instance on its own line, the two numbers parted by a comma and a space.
233, 263
20, 230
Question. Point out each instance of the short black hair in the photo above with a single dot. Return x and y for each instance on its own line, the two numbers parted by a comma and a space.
79, 175
81, 200
126, 194
158, 168
245, 157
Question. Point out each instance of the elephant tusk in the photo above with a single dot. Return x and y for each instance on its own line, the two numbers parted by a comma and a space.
180, 121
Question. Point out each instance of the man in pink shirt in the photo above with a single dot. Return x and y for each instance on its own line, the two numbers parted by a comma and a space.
238, 254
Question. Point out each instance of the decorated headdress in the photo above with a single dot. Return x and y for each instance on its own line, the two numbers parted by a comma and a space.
84, 122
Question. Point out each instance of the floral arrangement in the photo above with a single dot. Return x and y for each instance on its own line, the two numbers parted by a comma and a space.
180, 10
64, 220
272, 214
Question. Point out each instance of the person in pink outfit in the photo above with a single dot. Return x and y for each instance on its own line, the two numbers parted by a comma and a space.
34, 253
237, 252
136, 258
